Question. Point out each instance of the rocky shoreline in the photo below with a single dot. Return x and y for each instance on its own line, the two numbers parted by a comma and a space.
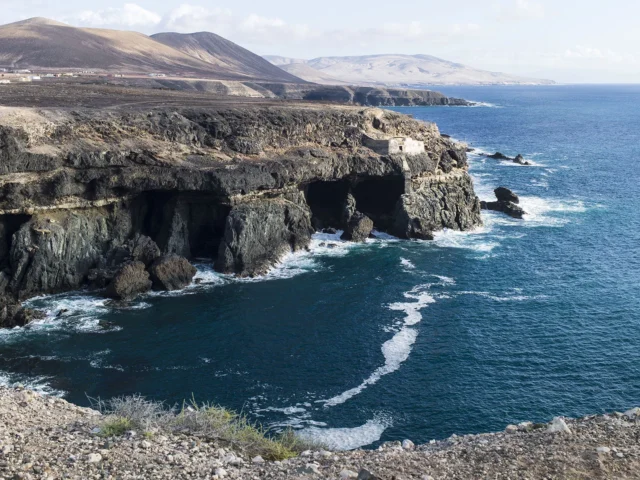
105, 197
48, 438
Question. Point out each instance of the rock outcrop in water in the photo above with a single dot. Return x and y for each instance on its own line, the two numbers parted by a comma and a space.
507, 203
95, 197
519, 159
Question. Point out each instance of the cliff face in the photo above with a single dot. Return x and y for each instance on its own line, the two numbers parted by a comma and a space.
241, 186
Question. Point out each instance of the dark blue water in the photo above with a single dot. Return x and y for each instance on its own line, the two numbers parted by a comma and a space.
521, 320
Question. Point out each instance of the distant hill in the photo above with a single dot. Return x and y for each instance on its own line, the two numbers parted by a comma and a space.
39, 43
394, 70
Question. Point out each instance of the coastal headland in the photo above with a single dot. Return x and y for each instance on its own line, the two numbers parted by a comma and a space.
103, 186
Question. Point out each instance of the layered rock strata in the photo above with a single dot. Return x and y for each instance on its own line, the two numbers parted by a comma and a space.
85, 192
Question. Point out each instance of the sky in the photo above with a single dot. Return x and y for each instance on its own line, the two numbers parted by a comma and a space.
569, 41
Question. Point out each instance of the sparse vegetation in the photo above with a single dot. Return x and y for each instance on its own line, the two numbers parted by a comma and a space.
115, 427
148, 417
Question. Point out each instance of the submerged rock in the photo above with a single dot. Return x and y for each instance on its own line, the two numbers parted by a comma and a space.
358, 229
171, 272
130, 281
520, 160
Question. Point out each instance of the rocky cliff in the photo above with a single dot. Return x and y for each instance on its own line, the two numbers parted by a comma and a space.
80, 188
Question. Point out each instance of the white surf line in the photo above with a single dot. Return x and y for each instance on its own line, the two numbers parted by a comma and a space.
347, 438
397, 349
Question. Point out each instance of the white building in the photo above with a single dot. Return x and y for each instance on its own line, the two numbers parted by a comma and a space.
394, 146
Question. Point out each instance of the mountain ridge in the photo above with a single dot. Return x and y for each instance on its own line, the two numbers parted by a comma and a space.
41, 43
400, 70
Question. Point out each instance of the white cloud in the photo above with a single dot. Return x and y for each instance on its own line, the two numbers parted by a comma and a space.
594, 54
258, 31
520, 10
130, 15
191, 18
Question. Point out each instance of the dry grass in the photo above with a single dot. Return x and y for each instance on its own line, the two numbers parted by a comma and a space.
236, 431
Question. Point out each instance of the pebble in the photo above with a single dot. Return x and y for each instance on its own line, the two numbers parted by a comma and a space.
603, 449
94, 458
257, 460
346, 474
511, 429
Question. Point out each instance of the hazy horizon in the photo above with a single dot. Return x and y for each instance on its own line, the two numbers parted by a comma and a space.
532, 38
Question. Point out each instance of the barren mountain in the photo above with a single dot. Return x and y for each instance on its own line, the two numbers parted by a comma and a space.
39, 43
224, 54
395, 70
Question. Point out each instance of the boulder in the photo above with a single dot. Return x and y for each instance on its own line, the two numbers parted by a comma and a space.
503, 194
171, 272
558, 425
365, 474
130, 281
12, 314
144, 249
358, 229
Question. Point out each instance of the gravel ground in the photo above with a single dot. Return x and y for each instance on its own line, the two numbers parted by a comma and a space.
48, 438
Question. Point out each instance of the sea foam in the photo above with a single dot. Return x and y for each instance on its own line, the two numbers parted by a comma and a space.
348, 438
397, 349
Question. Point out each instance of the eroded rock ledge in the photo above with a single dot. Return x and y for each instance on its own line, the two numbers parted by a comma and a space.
241, 186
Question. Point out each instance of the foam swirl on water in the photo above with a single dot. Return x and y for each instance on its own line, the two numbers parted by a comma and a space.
397, 349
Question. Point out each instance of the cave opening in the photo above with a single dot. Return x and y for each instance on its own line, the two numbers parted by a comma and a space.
9, 225
326, 200
190, 224
377, 198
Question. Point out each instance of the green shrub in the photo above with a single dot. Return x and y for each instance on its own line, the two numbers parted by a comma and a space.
115, 427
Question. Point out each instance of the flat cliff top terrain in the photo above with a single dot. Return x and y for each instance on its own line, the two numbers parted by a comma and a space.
48, 438
74, 95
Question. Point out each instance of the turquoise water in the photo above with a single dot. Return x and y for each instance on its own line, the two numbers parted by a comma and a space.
520, 320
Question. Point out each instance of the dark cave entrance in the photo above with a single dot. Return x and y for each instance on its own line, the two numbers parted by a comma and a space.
377, 198
9, 225
190, 224
326, 200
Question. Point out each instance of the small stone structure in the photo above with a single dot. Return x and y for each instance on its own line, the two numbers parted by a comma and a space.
391, 146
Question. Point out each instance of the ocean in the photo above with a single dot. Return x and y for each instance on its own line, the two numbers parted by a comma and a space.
360, 344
